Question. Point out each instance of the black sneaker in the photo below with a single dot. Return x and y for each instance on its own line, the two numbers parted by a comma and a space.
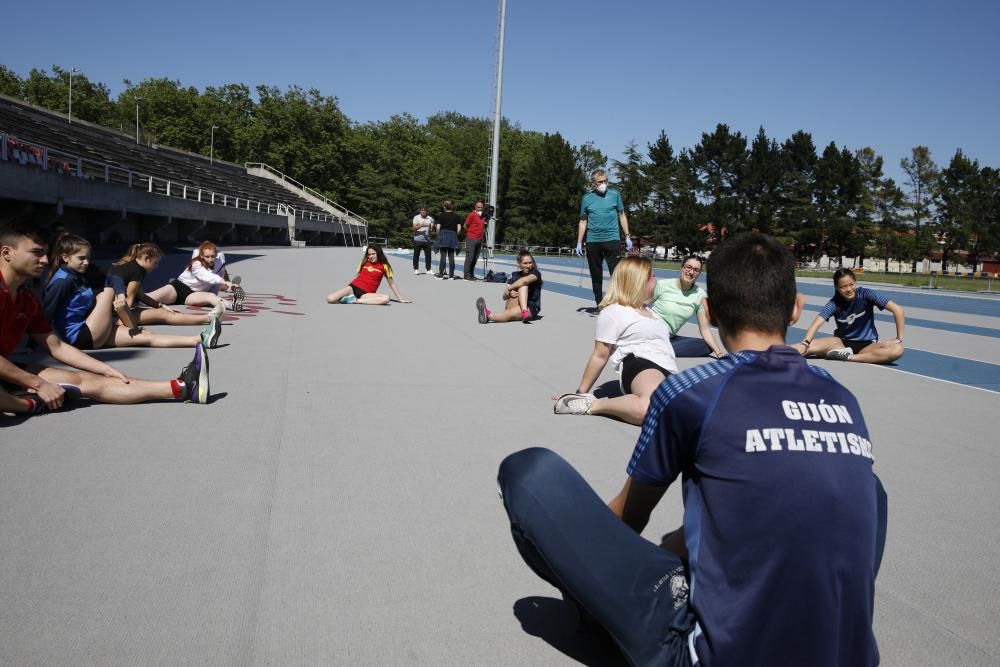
71, 396
194, 377
238, 294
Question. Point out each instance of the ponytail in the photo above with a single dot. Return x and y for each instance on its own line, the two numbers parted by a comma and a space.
144, 249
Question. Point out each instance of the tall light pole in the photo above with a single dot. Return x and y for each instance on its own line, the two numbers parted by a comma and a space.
137, 119
491, 230
69, 114
211, 149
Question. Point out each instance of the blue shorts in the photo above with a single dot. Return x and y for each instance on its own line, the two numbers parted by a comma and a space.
635, 590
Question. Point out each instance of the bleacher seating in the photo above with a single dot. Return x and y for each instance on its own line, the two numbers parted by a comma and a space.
71, 145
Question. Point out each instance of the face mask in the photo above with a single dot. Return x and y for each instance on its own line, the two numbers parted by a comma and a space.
602, 188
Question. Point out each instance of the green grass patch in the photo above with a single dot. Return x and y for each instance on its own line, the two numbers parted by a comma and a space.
904, 279
912, 280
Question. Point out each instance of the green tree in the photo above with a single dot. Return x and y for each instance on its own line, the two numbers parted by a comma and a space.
544, 193
984, 240
956, 192
386, 186
167, 113
634, 185
688, 219
762, 183
887, 201
10, 83
719, 160
589, 158
797, 211
91, 102
922, 175
662, 172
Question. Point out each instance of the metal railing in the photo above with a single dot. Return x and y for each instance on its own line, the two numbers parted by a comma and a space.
32, 154
305, 188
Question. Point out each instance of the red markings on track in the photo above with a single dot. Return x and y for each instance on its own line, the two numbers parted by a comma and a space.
254, 304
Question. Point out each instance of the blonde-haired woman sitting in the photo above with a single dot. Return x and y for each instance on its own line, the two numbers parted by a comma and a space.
634, 339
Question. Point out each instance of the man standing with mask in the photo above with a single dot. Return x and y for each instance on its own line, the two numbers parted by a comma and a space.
474, 228
601, 211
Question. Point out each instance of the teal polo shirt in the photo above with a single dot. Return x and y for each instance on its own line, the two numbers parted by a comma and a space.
601, 213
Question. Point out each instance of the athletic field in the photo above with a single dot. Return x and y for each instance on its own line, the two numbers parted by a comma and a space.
336, 502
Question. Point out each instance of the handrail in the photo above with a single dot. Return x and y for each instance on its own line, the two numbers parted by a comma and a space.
86, 168
306, 188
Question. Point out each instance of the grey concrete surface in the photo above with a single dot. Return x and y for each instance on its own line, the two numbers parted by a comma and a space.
336, 502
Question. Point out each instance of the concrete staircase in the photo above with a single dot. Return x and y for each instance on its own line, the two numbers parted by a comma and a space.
356, 227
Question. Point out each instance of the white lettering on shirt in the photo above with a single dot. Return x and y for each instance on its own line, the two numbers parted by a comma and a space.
815, 412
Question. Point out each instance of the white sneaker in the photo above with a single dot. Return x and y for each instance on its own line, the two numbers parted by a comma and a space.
415, 272
218, 310
839, 354
574, 404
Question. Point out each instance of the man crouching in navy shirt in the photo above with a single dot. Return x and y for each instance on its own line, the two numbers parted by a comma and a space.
784, 519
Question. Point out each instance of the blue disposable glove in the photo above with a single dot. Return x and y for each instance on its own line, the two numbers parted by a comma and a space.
628, 242
579, 250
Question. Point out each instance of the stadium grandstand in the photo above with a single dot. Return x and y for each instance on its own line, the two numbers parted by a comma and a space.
111, 188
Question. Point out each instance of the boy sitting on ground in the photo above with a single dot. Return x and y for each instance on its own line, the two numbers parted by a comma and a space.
36, 388
784, 519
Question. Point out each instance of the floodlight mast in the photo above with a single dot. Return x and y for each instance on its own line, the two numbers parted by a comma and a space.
495, 146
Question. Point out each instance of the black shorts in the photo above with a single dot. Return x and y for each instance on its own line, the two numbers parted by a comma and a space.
857, 345
183, 291
632, 366
358, 292
84, 339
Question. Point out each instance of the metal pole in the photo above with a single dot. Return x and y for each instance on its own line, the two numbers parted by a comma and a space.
211, 150
137, 119
69, 113
495, 164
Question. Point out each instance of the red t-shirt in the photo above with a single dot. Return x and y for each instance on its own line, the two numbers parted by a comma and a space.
370, 276
19, 314
474, 226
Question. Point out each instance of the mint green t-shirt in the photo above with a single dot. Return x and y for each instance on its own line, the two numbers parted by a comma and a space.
676, 306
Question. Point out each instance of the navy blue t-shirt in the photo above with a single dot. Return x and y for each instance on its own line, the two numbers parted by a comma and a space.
780, 510
121, 275
855, 318
68, 301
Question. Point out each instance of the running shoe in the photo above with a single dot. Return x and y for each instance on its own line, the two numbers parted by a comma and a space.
484, 312
839, 354
218, 310
350, 298
574, 404
71, 395
415, 272
195, 377
238, 294
210, 334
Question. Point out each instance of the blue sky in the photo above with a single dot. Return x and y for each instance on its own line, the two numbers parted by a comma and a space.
886, 74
